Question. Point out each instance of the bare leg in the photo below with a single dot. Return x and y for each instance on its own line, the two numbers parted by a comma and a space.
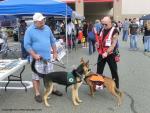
36, 87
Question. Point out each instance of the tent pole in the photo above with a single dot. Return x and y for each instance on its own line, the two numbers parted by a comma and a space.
66, 36
18, 24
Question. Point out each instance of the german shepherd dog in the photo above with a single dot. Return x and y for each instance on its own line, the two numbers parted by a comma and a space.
107, 82
60, 77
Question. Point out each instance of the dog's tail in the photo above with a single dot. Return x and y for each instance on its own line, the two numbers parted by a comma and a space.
34, 69
119, 92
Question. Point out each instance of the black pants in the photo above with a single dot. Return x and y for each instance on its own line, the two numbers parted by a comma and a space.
112, 65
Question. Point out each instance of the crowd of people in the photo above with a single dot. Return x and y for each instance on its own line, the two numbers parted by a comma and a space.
84, 33
132, 28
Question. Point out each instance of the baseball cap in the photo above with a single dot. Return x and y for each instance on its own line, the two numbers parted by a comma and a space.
38, 17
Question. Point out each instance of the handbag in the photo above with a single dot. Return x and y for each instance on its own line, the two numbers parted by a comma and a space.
91, 35
117, 54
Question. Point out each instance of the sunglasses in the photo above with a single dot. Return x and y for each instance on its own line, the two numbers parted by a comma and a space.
104, 24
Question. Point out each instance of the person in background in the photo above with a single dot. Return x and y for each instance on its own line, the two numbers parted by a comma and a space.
105, 44
22, 29
91, 38
39, 41
130, 21
133, 34
85, 31
71, 34
80, 36
119, 25
147, 36
97, 26
125, 27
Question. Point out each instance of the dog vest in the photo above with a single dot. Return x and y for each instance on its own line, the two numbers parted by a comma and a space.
97, 81
70, 78
96, 78
105, 42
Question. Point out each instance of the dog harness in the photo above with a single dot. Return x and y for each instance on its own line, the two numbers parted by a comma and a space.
70, 78
96, 79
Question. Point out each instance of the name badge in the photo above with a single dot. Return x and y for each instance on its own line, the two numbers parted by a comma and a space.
108, 42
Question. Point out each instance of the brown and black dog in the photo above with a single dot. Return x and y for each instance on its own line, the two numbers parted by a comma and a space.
107, 82
62, 77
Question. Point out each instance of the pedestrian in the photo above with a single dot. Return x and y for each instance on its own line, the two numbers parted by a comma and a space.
119, 25
91, 38
125, 27
80, 36
71, 34
106, 43
97, 26
147, 36
22, 29
85, 31
39, 41
133, 34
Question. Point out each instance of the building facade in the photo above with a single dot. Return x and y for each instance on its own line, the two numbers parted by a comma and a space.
135, 8
119, 9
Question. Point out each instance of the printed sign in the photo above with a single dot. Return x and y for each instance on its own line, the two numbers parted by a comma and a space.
61, 51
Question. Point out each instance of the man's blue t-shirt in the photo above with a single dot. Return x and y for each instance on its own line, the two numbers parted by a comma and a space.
98, 27
39, 40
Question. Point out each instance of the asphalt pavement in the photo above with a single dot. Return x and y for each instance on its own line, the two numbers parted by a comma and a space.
134, 74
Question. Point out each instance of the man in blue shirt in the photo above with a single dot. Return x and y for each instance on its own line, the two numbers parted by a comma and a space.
125, 26
98, 26
38, 41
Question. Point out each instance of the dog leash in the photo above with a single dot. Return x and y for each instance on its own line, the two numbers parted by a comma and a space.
97, 62
53, 62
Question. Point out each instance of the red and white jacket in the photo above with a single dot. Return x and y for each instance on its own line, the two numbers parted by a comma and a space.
104, 42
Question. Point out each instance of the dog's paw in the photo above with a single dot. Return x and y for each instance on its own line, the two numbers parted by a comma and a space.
92, 95
75, 103
47, 105
48, 97
79, 101
119, 103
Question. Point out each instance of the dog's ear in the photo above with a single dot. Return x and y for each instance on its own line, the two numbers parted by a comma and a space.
82, 61
87, 62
